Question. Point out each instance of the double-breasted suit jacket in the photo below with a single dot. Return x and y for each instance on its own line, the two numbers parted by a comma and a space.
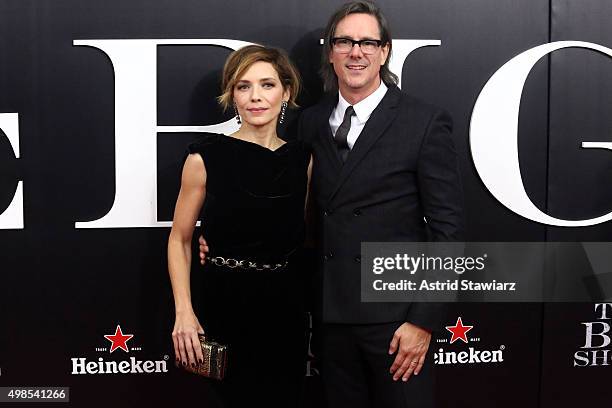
400, 182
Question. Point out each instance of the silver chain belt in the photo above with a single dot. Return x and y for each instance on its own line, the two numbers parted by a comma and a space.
243, 264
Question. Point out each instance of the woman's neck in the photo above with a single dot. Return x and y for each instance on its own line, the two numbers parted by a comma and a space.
262, 135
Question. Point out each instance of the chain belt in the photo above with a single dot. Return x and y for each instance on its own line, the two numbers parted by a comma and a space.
244, 264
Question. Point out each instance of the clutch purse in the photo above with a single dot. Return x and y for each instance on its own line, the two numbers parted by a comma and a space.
215, 360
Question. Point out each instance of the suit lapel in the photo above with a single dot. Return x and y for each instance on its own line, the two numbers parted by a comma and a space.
379, 121
325, 133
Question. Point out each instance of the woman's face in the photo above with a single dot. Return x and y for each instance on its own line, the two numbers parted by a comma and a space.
258, 94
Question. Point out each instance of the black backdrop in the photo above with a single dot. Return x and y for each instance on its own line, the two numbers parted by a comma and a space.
62, 289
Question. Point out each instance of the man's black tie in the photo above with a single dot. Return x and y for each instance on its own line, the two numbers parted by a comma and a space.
342, 133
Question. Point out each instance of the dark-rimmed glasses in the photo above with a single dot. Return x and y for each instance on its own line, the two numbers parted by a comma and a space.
344, 45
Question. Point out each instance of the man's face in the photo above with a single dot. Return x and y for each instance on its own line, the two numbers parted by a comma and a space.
356, 71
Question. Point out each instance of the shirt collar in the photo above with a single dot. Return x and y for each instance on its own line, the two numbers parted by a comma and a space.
364, 108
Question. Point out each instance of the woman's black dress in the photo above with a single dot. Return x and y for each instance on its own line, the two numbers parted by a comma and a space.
254, 211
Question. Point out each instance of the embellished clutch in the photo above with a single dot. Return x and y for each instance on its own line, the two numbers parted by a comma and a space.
215, 360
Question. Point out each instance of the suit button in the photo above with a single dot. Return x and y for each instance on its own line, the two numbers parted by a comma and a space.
357, 212
358, 259
328, 256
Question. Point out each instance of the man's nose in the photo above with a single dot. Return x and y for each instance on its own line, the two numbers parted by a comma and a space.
356, 51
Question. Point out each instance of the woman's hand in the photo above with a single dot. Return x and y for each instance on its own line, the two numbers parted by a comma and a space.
187, 347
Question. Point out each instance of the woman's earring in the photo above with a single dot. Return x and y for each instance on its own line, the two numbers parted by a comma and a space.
237, 114
282, 112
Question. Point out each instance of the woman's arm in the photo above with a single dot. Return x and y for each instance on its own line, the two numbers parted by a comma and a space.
188, 206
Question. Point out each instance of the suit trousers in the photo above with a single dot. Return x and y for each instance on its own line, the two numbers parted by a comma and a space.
355, 365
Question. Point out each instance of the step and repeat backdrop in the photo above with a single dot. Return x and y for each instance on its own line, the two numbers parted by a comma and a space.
98, 101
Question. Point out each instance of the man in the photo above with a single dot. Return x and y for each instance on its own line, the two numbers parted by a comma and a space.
385, 169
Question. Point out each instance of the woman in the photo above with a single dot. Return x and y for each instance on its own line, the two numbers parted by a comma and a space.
250, 189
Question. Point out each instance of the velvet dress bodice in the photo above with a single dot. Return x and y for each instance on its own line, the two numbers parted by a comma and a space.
254, 205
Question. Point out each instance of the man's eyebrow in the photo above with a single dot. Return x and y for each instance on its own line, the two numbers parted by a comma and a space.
351, 38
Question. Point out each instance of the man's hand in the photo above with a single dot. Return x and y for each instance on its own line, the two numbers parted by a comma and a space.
203, 249
411, 342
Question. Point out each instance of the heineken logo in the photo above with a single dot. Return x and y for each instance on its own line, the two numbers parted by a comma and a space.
472, 355
118, 341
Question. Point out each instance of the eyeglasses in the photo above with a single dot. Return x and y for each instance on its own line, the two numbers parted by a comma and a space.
345, 45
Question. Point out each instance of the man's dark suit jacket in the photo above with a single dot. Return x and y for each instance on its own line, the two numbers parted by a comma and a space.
399, 183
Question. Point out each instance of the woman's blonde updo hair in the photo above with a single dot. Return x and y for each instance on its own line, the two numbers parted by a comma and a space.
241, 60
